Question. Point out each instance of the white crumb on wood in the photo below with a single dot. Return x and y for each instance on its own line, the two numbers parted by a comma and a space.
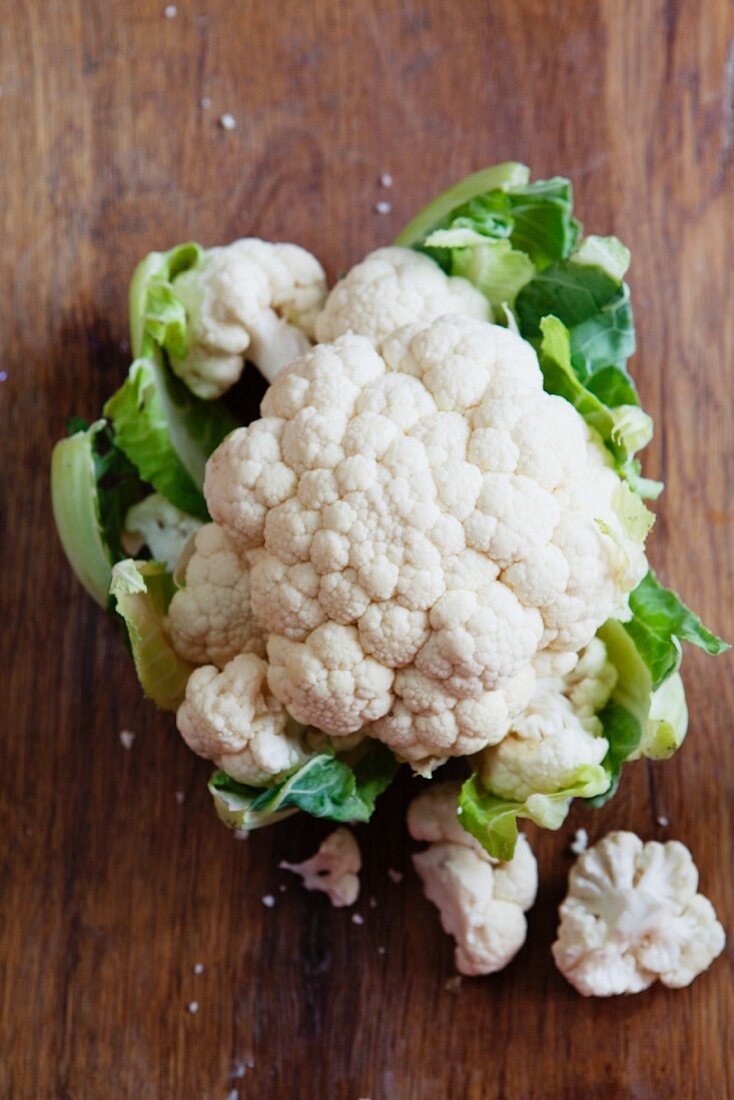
357, 918
580, 842
198, 968
383, 207
385, 180
205, 103
268, 901
227, 121
170, 11
193, 1007
663, 821
127, 738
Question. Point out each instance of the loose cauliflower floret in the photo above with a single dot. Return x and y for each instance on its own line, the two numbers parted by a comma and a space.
250, 299
393, 287
632, 916
414, 558
482, 902
210, 619
334, 869
230, 717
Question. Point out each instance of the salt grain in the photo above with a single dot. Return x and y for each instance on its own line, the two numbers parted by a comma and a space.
386, 180
3, 376
663, 821
227, 121
357, 918
381, 950
205, 103
238, 1070
383, 207
127, 737
395, 876
268, 901
170, 11
180, 797
198, 968
193, 1007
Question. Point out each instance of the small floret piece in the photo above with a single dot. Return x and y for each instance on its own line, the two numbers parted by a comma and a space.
334, 869
161, 526
482, 902
633, 916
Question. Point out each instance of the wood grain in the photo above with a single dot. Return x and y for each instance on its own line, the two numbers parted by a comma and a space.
110, 891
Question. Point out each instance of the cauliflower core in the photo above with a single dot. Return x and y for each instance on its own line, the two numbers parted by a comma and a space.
230, 717
632, 916
334, 869
393, 287
250, 299
482, 902
425, 522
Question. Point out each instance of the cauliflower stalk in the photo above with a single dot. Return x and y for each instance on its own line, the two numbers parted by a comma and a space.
482, 902
633, 916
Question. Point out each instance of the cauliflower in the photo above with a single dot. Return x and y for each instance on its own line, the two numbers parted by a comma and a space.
210, 620
250, 299
426, 522
161, 526
334, 869
557, 736
230, 717
482, 902
393, 287
632, 916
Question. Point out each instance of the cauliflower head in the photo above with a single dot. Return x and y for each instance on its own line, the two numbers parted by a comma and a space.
250, 299
334, 869
210, 619
424, 522
482, 902
633, 916
393, 287
230, 717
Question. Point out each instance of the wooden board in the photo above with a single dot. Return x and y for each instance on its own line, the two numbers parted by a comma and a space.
110, 890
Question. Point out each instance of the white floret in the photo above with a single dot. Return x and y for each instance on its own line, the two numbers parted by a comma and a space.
210, 619
428, 529
230, 717
393, 287
161, 526
248, 300
633, 916
482, 903
334, 869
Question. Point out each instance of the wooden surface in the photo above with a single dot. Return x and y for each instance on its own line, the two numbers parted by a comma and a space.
110, 890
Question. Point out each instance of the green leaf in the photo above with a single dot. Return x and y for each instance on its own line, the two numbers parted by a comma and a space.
543, 225
660, 623
149, 319
493, 821
638, 721
165, 319
167, 433
142, 592
606, 253
324, 786
435, 215
92, 486
494, 267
